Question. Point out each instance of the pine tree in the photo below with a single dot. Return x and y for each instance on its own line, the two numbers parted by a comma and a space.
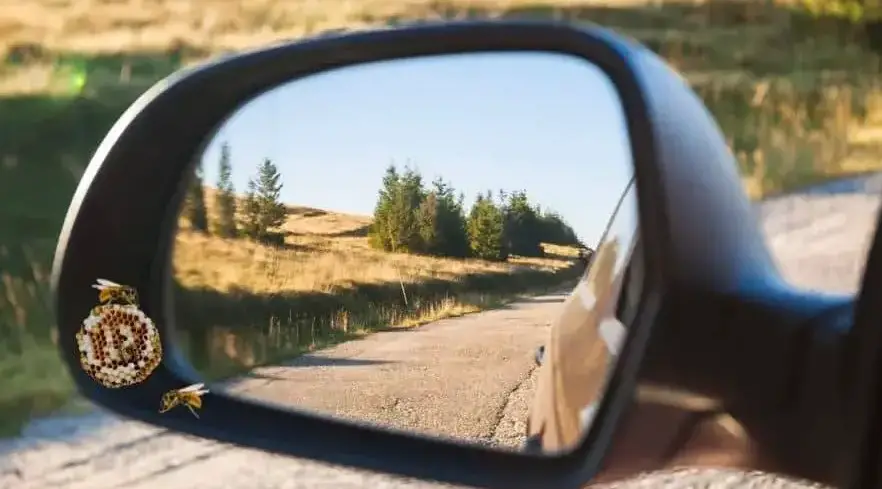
556, 230
380, 234
269, 189
485, 230
195, 203
405, 208
397, 213
263, 210
251, 212
442, 222
523, 228
226, 196
431, 235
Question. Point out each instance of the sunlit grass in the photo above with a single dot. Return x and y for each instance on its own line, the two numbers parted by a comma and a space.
241, 304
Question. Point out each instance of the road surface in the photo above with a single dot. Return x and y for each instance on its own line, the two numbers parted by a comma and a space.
454, 377
819, 238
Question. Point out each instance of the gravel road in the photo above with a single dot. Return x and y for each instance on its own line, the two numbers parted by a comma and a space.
461, 370
819, 237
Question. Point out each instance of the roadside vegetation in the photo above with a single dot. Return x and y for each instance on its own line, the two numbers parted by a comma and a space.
794, 85
259, 281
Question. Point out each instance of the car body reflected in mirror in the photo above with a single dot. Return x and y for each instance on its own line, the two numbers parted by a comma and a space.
585, 339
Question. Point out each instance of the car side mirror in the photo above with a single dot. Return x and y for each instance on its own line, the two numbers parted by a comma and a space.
698, 239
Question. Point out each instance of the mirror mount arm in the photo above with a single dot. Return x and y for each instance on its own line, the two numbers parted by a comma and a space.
767, 362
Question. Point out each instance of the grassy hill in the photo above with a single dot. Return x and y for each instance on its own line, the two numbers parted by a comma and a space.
797, 96
240, 304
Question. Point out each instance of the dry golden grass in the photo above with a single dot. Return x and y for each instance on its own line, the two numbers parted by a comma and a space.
36, 30
324, 252
218, 25
319, 263
785, 137
241, 304
308, 220
768, 58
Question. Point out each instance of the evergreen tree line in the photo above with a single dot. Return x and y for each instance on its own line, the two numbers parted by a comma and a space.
409, 217
257, 216
413, 217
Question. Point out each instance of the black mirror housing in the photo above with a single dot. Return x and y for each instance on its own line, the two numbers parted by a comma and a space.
121, 223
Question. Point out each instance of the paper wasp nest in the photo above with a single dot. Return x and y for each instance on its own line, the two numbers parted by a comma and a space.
119, 345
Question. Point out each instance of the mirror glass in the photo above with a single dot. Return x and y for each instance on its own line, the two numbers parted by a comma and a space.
435, 244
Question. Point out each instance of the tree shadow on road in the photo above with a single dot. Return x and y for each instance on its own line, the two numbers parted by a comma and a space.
870, 184
313, 360
548, 299
309, 361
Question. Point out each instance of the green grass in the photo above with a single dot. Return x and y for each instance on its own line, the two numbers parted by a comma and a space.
798, 98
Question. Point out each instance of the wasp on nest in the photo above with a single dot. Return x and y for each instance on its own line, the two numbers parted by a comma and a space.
119, 344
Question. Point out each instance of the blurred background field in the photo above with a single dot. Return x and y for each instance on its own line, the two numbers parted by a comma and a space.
795, 88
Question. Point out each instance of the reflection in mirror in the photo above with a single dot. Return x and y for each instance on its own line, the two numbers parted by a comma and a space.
393, 243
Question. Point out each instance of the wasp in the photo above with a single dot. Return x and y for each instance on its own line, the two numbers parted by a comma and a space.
190, 396
110, 293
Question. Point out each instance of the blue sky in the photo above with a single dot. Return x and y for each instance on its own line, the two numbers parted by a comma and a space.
545, 123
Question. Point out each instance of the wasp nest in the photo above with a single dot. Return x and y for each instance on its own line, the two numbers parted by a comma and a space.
119, 345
